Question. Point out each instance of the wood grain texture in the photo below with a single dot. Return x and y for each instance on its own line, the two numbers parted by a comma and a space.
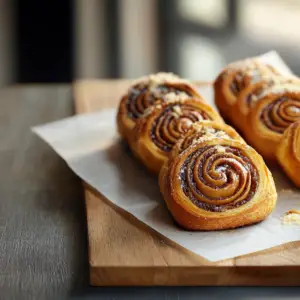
43, 249
124, 251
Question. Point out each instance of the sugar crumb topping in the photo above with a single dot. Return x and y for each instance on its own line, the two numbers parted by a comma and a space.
280, 89
177, 110
203, 138
220, 149
173, 97
211, 136
159, 78
200, 124
292, 217
246, 64
148, 111
208, 130
253, 67
222, 134
284, 80
197, 126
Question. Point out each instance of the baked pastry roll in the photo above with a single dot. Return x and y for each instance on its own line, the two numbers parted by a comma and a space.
288, 152
159, 129
144, 93
275, 110
204, 129
252, 93
234, 79
217, 183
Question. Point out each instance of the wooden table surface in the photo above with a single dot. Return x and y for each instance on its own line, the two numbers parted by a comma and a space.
43, 238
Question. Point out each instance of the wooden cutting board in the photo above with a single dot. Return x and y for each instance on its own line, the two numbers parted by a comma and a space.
124, 251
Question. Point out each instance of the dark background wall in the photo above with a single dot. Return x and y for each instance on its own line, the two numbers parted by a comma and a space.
44, 40
57, 41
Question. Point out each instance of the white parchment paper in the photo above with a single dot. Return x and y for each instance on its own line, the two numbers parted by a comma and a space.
90, 146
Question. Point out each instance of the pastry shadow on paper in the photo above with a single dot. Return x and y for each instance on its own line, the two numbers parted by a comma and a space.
133, 174
281, 181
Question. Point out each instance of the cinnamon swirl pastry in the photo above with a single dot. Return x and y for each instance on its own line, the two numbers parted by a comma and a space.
275, 110
217, 183
288, 152
253, 92
234, 79
204, 129
144, 93
160, 128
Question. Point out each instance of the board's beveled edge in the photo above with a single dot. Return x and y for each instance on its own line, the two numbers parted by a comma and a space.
195, 276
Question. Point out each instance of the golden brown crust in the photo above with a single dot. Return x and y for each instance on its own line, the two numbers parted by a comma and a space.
146, 92
156, 132
247, 99
252, 93
262, 107
210, 189
288, 152
210, 179
277, 109
233, 80
124, 123
203, 130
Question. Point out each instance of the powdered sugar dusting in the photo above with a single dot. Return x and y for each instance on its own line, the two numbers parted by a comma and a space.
280, 89
220, 149
246, 64
173, 97
153, 80
177, 110
211, 136
208, 130
198, 126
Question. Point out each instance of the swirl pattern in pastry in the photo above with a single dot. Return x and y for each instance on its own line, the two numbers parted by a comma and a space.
202, 130
234, 79
218, 184
147, 91
162, 126
277, 108
288, 152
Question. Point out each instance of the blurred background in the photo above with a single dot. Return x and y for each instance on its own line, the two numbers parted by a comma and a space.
59, 41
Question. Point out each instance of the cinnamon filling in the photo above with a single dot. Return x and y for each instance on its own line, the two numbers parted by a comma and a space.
257, 93
229, 172
142, 97
253, 96
238, 84
280, 114
169, 126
